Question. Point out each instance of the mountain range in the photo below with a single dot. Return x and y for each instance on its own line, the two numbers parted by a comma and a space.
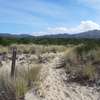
88, 34
8, 35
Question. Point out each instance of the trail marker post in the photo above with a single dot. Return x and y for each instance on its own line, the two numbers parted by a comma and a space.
14, 52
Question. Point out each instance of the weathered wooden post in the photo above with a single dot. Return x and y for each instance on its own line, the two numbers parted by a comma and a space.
14, 51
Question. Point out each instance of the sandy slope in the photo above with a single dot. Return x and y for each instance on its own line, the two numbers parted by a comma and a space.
53, 86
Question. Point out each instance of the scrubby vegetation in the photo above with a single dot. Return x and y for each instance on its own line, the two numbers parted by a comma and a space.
23, 81
48, 41
82, 64
80, 59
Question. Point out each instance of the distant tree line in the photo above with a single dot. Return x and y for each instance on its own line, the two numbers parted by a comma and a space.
5, 41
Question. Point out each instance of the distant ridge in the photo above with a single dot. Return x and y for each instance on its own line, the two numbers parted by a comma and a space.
8, 35
93, 34
87, 34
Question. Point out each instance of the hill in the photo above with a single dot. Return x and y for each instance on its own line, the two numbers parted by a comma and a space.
88, 34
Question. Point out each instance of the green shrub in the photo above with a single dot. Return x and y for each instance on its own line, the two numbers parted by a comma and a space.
25, 79
21, 87
89, 71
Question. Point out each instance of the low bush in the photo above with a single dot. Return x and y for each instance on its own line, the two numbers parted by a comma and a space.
89, 71
84, 68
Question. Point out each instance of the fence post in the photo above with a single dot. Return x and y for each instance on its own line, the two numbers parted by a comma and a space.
14, 51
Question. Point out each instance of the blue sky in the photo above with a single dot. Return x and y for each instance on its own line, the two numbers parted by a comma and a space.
39, 17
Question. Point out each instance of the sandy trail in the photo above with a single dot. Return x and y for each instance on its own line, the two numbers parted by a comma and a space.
53, 86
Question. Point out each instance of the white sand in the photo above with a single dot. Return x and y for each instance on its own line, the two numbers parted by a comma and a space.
54, 88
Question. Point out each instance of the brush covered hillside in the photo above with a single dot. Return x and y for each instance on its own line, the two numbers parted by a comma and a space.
50, 72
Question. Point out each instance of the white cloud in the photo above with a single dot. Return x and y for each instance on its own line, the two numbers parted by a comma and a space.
84, 26
39, 33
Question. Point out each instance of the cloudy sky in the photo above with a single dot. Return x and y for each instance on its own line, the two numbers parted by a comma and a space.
39, 17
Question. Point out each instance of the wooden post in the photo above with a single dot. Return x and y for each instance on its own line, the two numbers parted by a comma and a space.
14, 50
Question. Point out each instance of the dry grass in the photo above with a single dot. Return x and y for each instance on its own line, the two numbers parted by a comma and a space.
38, 49
7, 90
82, 66
26, 78
21, 87
89, 71
3, 49
22, 82
79, 66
